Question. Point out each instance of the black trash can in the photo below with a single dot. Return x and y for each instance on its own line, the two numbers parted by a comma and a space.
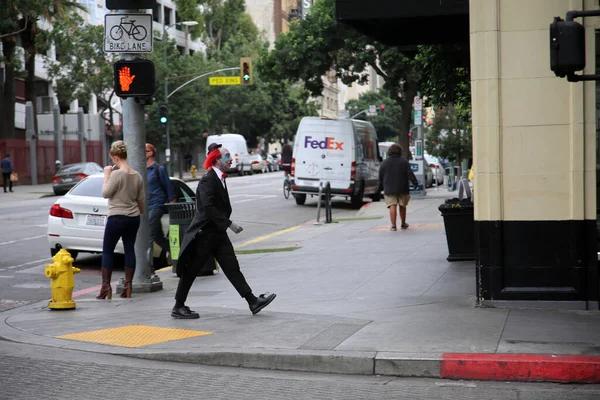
180, 217
460, 229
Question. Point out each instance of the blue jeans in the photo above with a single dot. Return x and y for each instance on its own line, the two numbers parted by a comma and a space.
117, 227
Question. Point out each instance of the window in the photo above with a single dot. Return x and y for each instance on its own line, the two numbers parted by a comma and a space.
156, 12
90, 187
167, 18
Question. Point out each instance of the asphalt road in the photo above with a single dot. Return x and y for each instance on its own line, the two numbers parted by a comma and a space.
258, 206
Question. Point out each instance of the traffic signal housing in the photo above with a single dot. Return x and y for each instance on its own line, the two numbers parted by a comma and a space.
134, 78
246, 70
567, 47
163, 114
129, 4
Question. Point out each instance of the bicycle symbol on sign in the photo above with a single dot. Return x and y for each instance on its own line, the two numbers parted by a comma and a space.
137, 31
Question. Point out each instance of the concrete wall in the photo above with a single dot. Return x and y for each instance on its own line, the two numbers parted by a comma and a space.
533, 133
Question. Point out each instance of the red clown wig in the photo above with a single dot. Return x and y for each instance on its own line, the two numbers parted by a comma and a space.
211, 158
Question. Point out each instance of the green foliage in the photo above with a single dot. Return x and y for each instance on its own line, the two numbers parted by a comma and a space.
319, 43
450, 135
187, 10
386, 123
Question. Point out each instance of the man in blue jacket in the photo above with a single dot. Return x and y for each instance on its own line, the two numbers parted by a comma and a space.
160, 191
7, 169
394, 175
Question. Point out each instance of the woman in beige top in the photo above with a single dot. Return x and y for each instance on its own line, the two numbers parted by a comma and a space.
124, 189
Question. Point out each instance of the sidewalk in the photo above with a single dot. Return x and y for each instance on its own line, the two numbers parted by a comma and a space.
352, 297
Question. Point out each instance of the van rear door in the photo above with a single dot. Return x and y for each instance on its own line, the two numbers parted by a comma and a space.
323, 152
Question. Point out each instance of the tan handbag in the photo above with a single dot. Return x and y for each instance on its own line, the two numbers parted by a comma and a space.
14, 177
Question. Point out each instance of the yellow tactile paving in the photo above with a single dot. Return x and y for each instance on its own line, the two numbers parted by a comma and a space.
134, 335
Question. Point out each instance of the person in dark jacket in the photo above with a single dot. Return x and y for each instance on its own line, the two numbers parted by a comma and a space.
7, 169
207, 237
160, 191
394, 176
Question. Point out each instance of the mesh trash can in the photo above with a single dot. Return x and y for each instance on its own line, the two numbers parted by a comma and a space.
460, 229
180, 217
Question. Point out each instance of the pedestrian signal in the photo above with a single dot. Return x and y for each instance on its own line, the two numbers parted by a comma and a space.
134, 78
246, 70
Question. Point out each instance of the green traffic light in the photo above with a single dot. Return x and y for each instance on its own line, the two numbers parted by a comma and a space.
163, 120
246, 77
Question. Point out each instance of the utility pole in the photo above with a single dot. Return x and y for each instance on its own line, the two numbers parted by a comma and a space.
134, 134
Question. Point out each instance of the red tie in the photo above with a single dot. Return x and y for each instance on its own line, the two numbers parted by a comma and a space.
224, 176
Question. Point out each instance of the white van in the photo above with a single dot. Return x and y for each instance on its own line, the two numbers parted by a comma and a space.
236, 144
343, 152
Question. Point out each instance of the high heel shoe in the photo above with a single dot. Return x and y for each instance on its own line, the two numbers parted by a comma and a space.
106, 289
126, 293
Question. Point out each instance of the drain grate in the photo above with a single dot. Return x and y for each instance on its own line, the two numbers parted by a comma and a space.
332, 337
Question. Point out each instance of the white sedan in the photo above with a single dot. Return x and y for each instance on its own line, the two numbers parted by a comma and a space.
76, 221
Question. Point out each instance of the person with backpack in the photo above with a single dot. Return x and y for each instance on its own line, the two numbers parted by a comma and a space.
160, 191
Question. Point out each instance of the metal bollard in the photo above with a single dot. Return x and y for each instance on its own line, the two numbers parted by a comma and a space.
319, 204
328, 218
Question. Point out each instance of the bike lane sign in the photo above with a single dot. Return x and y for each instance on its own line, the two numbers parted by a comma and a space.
128, 33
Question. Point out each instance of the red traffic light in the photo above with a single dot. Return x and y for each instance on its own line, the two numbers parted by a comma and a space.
409, 133
382, 107
134, 78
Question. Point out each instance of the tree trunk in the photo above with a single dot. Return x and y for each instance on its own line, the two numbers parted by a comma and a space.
8, 90
180, 162
29, 37
410, 91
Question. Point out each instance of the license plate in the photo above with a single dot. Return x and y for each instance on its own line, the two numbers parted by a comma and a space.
67, 179
95, 220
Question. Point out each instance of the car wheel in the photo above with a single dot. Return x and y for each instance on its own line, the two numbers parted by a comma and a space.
357, 199
300, 199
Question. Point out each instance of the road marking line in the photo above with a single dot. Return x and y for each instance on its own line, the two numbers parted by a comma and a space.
6, 276
265, 237
21, 240
254, 199
28, 263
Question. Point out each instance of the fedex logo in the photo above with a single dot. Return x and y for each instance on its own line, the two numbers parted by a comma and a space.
327, 144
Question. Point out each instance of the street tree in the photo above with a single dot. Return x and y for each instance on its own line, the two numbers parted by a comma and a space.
317, 44
387, 119
449, 135
81, 68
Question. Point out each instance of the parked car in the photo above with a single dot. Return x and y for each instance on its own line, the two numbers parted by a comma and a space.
70, 175
258, 163
76, 221
272, 163
437, 168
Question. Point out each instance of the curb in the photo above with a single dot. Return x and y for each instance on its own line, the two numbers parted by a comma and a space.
521, 367
453, 366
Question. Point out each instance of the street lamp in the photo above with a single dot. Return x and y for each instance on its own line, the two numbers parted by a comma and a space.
166, 102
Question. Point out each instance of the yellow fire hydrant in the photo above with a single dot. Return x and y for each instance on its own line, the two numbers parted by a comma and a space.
193, 170
61, 271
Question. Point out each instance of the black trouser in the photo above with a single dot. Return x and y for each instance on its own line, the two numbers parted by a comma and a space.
156, 232
217, 245
6, 180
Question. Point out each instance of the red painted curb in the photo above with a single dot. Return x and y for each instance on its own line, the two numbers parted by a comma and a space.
521, 367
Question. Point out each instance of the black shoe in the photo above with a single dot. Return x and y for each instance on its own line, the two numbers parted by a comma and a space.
261, 302
184, 313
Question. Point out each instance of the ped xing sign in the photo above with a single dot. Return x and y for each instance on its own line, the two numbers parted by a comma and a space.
134, 78
224, 80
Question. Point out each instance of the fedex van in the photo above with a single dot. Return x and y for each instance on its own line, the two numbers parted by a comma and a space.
236, 144
343, 152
